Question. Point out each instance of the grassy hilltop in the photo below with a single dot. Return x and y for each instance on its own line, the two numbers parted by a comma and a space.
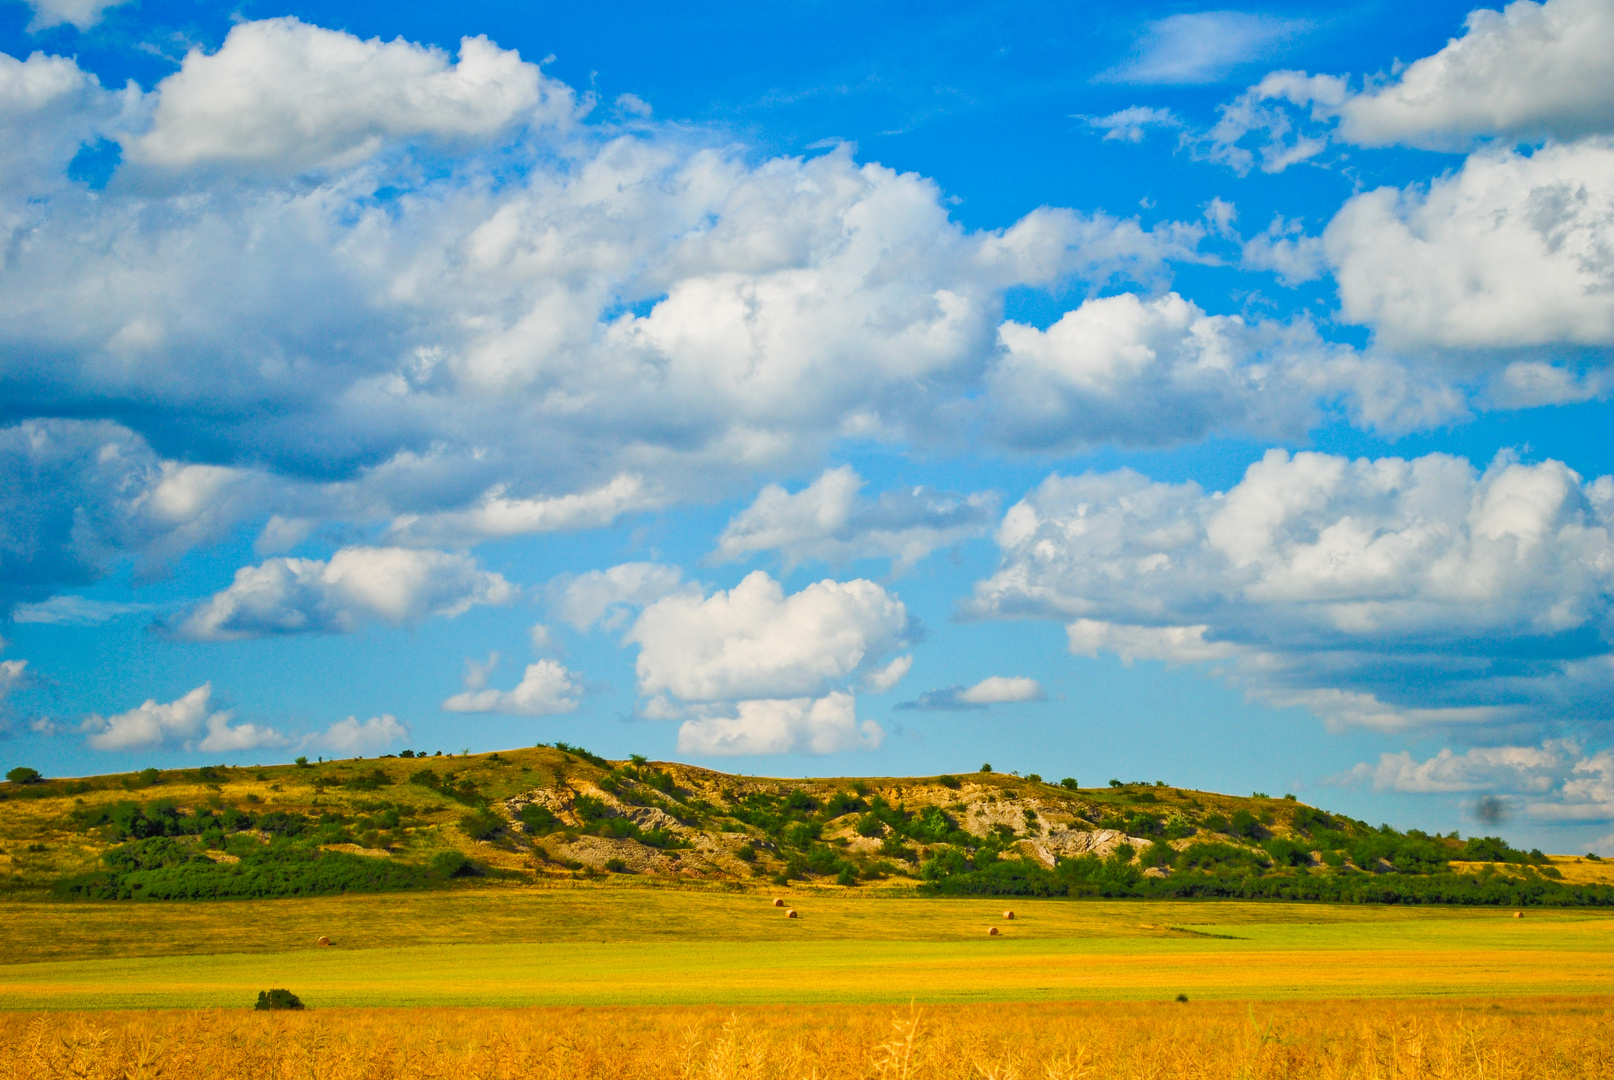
559, 813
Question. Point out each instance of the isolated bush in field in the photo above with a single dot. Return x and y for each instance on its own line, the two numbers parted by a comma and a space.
1035, 778
481, 824
986, 766
1069, 783
302, 762
277, 999
1114, 782
22, 774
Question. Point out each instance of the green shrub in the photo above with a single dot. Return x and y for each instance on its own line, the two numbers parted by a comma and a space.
1035, 778
277, 999
1069, 783
538, 820
986, 766
952, 783
452, 864
616, 866
481, 824
847, 876
22, 774
1159, 853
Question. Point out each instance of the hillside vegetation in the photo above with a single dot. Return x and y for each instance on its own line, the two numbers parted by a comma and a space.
559, 812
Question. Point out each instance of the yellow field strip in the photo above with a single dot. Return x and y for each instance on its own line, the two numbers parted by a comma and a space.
818, 972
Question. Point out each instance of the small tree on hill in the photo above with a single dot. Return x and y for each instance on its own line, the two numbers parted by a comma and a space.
24, 775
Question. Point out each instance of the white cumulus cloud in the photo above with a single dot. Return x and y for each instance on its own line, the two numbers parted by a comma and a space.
1203, 46
188, 722
825, 725
1511, 250
546, 689
755, 642
607, 597
358, 737
79, 14
398, 586
828, 520
283, 96
993, 690
1378, 592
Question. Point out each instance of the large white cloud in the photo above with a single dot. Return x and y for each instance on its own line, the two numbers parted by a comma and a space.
1387, 592
546, 689
1527, 72
755, 642
564, 326
397, 586
1131, 370
188, 722
606, 597
283, 96
355, 736
825, 725
1511, 250
829, 521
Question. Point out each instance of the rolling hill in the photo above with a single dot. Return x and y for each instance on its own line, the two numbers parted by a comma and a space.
561, 813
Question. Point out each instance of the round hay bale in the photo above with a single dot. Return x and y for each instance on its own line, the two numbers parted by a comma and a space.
1518, 914
778, 902
791, 914
991, 931
1008, 915
323, 940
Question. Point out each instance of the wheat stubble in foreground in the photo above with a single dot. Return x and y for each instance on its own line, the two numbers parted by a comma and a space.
1382, 1040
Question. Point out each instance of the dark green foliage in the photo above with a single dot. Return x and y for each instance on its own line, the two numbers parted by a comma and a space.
369, 781
538, 820
22, 774
746, 853
277, 999
452, 864
1035, 778
163, 869
302, 762
1069, 783
870, 825
842, 802
986, 767
1159, 853
578, 751
463, 792
616, 866
1289, 852
1245, 824
1209, 855
950, 782
481, 824
1216, 823
1495, 849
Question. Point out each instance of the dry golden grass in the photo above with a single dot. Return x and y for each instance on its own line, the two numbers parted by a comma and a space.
1334, 1040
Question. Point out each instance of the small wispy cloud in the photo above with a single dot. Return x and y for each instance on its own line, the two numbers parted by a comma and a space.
996, 690
1202, 47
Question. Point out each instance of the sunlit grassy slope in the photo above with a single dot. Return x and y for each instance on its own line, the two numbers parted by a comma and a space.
618, 946
556, 814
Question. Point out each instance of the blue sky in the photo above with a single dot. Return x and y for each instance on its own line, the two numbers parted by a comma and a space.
1209, 395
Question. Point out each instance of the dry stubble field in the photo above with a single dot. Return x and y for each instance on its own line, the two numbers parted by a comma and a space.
684, 983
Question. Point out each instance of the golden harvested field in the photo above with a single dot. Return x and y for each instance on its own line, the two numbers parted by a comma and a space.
1339, 1040
616, 946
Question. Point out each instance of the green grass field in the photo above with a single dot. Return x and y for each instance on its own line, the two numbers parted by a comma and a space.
524, 946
